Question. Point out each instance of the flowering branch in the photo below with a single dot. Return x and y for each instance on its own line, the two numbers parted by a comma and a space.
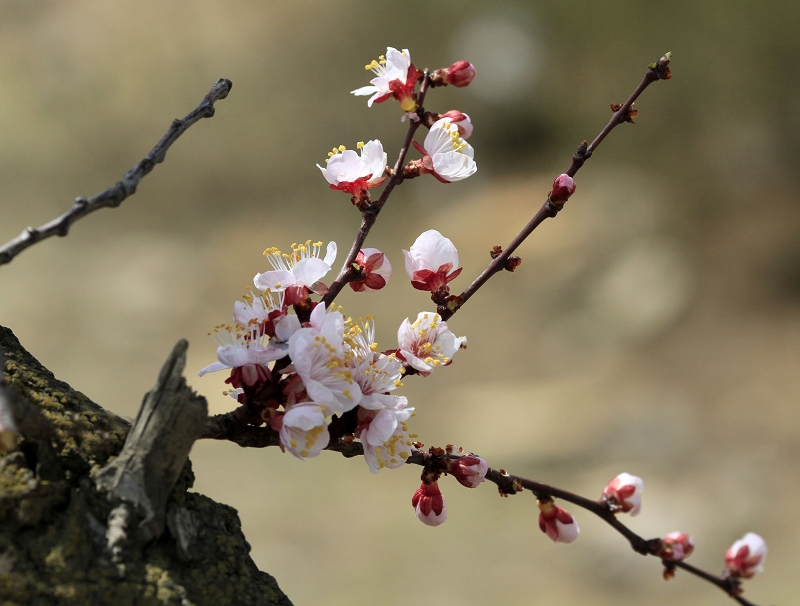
115, 195
562, 188
509, 484
370, 213
316, 380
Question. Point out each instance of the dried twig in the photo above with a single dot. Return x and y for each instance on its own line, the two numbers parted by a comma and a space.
113, 196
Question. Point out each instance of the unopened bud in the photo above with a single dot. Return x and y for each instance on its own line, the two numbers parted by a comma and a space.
624, 494
461, 73
429, 504
676, 546
556, 523
563, 188
469, 470
461, 122
746, 556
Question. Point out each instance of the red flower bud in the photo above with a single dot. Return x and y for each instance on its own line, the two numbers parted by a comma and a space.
676, 546
429, 504
563, 188
461, 73
469, 470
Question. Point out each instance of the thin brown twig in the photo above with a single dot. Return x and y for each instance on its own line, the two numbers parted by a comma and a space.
657, 71
114, 196
370, 215
510, 484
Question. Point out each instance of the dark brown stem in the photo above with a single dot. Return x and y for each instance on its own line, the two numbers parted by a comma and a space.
550, 209
113, 196
370, 215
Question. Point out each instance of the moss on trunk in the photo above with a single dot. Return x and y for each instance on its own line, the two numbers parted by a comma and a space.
53, 546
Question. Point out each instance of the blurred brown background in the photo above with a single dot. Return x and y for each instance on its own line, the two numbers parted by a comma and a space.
654, 326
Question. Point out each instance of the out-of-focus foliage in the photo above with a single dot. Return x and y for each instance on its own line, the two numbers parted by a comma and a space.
653, 327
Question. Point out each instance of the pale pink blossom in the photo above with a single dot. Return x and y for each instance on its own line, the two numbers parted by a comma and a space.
376, 373
349, 172
377, 270
469, 470
304, 431
445, 153
246, 349
395, 76
746, 556
556, 523
461, 122
624, 493
429, 504
676, 546
427, 343
318, 357
432, 261
297, 273
385, 436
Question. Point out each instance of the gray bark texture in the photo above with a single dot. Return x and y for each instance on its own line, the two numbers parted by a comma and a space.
94, 511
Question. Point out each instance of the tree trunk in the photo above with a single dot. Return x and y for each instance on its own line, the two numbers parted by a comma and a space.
85, 521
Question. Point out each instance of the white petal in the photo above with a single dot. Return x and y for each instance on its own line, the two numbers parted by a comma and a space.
212, 368
343, 167
307, 271
330, 254
276, 280
364, 91
286, 326
381, 428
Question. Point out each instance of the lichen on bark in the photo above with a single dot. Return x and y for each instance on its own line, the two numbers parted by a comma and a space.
53, 544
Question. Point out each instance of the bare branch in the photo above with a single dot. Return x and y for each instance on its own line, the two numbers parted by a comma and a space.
114, 196
656, 71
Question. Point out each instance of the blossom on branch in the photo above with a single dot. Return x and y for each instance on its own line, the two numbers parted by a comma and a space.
676, 546
746, 556
431, 260
376, 269
429, 504
385, 436
556, 523
624, 493
247, 350
395, 76
445, 154
297, 273
347, 171
469, 470
318, 357
461, 122
304, 431
427, 343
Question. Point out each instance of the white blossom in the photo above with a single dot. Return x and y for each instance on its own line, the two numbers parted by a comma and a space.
427, 343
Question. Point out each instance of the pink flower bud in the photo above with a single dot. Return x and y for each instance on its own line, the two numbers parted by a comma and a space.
460, 74
469, 470
429, 504
746, 556
676, 546
461, 121
557, 523
623, 493
377, 270
563, 188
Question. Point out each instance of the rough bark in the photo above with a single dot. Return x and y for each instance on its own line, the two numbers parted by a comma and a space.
61, 519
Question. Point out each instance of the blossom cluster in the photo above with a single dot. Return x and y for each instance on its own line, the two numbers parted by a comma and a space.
295, 363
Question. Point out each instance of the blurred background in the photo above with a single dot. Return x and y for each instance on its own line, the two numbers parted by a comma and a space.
653, 327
